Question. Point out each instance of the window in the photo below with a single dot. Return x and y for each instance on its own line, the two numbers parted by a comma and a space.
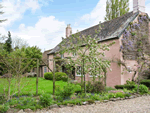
129, 69
45, 69
78, 71
92, 76
62, 55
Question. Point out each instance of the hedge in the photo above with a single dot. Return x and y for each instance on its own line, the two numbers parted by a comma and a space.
129, 87
58, 76
146, 83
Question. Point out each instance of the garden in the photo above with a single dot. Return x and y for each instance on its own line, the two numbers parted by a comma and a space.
69, 93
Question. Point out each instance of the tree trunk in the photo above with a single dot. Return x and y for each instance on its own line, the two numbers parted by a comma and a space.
53, 77
37, 74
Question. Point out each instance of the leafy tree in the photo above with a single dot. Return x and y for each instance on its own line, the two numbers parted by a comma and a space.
7, 45
31, 54
116, 8
89, 54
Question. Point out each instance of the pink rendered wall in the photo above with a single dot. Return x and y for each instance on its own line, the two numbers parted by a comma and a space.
50, 62
113, 77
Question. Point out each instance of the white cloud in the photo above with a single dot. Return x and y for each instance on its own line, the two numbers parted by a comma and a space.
14, 9
98, 13
46, 33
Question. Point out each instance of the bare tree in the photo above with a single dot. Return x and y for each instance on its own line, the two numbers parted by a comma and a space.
18, 42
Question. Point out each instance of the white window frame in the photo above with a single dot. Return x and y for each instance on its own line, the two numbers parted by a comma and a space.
77, 70
92, 76
45, 69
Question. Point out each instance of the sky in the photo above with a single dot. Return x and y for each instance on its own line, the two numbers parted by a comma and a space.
43, 22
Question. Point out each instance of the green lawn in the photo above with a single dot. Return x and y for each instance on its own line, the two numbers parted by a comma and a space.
45, 86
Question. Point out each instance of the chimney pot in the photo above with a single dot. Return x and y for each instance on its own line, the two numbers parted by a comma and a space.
138, 5
68, 30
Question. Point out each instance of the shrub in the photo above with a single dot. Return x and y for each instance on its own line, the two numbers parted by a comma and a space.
127, 86
67, 91
4, 108
2, 99
119, 94
95, 97
46, 100
48, 76
111, 95
58, 76
61, 76
146, 83
142, 89
128, 82
77, 89
96, 87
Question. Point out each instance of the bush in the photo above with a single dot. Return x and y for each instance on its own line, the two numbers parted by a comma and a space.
48, 76
128, 82
77, 89
142, 89
45, 100
58, 76
66, 92
4, 108
146, 83
2, 99
96, 87
127, 86
61, 76
119, 94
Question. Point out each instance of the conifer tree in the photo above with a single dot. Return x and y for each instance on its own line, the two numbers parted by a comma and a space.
7, 45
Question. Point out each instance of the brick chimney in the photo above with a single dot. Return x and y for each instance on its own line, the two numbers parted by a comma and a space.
138, 5
68, 30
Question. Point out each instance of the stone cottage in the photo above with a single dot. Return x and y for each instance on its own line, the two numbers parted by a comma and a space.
112, 31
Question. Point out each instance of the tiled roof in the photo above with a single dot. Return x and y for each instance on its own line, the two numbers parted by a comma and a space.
110, 29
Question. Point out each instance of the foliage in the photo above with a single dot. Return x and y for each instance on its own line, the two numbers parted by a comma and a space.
96, 87
128, 82
129, 87
142, 89
74, 102
7, 45
45, 100
2, 99
95, 97
116, 8
119, 94
25, 103
77, 89
137, 45
67, 91
146, 74
111, 95
4, 108
146, 83
109, 89
61, 76
48, 76
58, 76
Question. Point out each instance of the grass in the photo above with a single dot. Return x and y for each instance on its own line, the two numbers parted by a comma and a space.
45, 86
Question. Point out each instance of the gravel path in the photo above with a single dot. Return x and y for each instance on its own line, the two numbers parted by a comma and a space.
135, 105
